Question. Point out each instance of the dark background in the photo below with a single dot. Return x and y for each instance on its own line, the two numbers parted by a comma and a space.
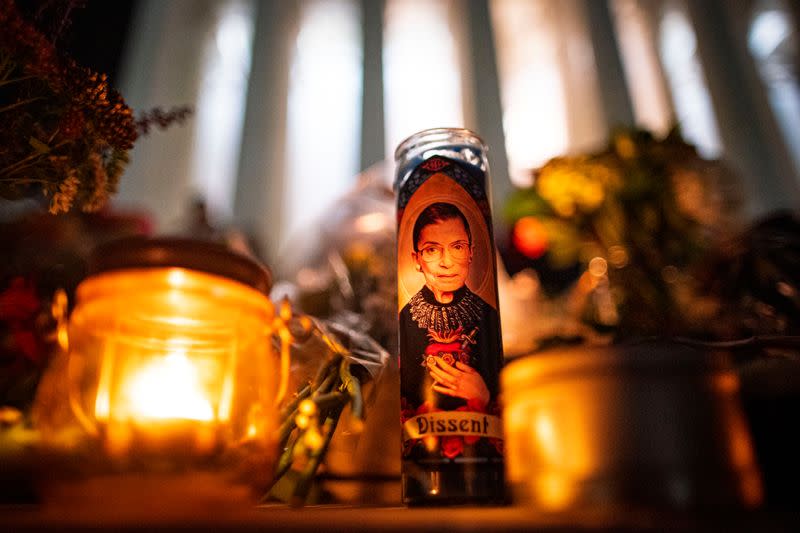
98, 34
93, 32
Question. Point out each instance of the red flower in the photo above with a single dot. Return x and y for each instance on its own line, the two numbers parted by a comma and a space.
406, 411
426, 407
27, 344
529, 236
452, 446
19, 306
19, 301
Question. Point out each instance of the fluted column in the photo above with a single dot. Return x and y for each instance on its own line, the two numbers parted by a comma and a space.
372, 122
259, 202
162, 67
748, 130
610, 73
487, 107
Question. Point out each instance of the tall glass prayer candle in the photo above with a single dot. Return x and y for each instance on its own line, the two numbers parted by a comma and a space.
449, 326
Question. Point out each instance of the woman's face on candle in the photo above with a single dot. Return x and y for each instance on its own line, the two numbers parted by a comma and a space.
443, 256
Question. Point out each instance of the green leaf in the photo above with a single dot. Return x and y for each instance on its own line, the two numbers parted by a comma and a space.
284, 487
564, 242
38, 145
525, 202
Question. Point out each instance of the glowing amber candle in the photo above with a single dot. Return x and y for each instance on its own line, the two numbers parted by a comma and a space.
170, 352
647, 424
167, 408
168, 389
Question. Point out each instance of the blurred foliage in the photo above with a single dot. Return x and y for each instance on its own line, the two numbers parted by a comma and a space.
344, 269
756, 275
625, 231
42, 254
65, 133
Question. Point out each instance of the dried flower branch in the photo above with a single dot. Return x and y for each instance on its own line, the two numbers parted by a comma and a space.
161, 119
67, 132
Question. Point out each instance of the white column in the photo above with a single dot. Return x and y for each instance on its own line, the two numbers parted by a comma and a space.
484, 99
776, 143
372, 124
611, 76
749, 133
595, 99
259, 202
162, 68
635, 31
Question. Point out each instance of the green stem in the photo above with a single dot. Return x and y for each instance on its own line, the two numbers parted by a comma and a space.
288, 415
23, 180
285, 462
285, 431
332, 389
331, 400
20, 103
320, 391
353, 387
326, 384
23, 162
324, 370
4, 81
306, 479
304, 393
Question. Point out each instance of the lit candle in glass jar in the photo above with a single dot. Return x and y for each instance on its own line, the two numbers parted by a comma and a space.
171, 359
167, 408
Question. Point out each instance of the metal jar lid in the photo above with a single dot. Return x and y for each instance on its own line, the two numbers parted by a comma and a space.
166, 252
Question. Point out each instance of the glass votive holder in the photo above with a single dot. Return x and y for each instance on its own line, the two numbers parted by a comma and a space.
171, 375
647, 425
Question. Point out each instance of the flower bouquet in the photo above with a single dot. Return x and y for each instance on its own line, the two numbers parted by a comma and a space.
66, 133
613, 240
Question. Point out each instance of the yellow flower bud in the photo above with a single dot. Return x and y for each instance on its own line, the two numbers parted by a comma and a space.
313, 439
302, 421
307, 407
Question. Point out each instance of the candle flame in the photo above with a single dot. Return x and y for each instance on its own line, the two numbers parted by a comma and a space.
168, 389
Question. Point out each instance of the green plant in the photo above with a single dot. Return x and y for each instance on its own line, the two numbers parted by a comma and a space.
66, 133
634, 221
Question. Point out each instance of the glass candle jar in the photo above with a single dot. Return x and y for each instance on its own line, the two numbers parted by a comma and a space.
170, 358
449, 334
651, 425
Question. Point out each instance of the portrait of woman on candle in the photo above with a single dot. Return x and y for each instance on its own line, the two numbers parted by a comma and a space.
445, 322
